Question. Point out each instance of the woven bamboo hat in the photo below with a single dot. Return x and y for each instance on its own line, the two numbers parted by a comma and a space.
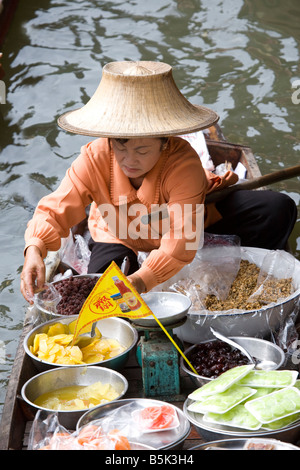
137, 99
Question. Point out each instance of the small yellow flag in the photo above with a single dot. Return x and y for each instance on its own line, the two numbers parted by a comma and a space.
114, 295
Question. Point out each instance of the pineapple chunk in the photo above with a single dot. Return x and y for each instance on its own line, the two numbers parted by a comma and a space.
58, 329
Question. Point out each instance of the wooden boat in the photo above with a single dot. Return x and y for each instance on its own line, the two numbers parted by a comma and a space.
7, 11
16, 416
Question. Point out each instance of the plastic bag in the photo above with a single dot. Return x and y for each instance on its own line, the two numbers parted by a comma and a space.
212, 271
76, 253
198, 142
118, 429
275, 279
48, 434
45, 427
47, 299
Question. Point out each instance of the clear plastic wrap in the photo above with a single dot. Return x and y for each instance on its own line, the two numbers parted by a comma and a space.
121, 428
198, 142
48, 434
212, 271
75, 253
47, 299
275, 321
277, 265
214, 267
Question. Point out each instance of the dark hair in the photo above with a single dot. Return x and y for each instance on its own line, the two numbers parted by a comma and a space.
164, 140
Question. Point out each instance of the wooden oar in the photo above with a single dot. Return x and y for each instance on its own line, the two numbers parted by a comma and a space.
216, 196
255, 183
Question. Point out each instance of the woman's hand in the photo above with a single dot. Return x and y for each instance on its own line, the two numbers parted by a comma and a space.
33, 273
137, 282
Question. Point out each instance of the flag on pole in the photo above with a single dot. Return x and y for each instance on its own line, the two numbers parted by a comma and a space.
114, 295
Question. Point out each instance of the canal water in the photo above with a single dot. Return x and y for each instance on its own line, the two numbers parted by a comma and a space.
239, 57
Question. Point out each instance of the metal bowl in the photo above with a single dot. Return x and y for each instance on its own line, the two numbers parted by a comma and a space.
113, 327
168, 439
239, 444
261, 349
138, 446
69, 376
168, 307
47, 309
214, 432
244, 323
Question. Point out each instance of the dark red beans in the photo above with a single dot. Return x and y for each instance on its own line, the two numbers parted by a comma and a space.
74, 291
214, 357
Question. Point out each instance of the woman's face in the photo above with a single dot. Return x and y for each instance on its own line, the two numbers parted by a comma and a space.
136, 157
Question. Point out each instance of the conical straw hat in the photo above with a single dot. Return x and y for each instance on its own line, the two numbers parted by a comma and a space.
137, 99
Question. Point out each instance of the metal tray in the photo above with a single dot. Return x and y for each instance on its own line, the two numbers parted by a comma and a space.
169, 439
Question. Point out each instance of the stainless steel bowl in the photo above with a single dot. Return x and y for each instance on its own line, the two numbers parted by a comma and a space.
168, 307
138, 446
69, 376
167, 439
243, 323
239, 444
113, 327
214, 432
259, 348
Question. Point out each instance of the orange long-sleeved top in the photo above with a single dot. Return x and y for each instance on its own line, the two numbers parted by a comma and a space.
117, 213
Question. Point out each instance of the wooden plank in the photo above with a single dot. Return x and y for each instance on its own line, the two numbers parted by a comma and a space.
6, 17
13, 419
248, 159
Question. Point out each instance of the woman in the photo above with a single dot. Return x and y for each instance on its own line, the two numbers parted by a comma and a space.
144, 186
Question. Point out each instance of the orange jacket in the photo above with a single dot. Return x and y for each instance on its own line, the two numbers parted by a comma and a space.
119, 212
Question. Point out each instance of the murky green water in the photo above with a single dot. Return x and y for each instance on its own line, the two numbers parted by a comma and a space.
240, 57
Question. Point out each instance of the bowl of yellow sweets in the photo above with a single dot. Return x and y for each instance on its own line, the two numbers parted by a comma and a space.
70, 392
56, 344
